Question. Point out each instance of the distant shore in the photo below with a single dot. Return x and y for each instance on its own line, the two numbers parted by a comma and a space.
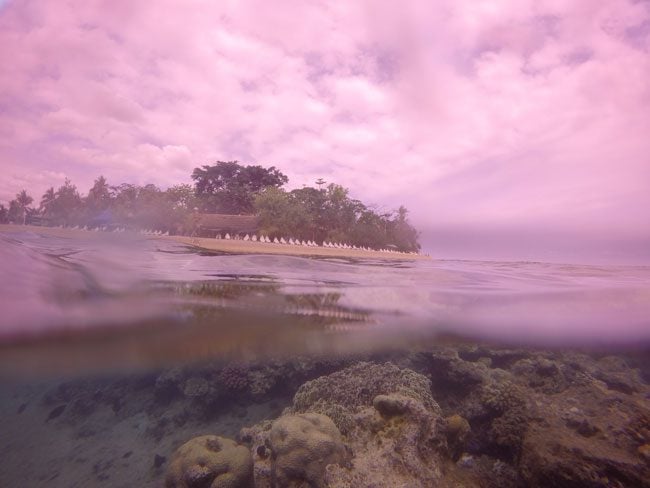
250, 247
228, 245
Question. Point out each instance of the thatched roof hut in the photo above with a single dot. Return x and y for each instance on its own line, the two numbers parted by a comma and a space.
222, 223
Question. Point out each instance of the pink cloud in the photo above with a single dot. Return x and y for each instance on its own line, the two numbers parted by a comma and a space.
469, 112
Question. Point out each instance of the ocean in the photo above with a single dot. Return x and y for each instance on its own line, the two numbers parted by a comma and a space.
116, 350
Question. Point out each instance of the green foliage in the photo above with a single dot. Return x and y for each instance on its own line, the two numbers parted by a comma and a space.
150, 207
311, 203
331, 215
280, 214
99, 196
23, 201
47, 202
182, 197
228, 187
66, 207
14, 213
401, 233
318, 214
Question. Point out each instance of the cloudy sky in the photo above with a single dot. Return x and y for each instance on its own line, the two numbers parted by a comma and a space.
480, 116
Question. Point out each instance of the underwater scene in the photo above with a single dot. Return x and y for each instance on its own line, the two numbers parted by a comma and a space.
133, 361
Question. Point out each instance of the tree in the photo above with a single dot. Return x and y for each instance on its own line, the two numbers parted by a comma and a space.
3, 214
152, 209
23, 200
67, 204
401, 233
312, 201
370, 230
14, 212
99, 196
125, 200
281, 215
182, 197
47, 202
229, 187
181, 201
340, 213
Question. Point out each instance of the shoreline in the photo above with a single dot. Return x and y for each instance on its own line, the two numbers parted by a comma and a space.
225, 245
251, 247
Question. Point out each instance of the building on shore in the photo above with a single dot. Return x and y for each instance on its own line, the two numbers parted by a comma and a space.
213, 225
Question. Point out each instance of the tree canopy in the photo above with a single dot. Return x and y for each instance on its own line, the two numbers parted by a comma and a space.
230, 188
329, 214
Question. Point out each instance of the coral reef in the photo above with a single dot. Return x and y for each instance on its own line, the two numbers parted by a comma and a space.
302, 446
197, 388
513, 418
234, 378
294, 450
541, 418
469, 415
345, 392
399, 441
457, 430
210, 461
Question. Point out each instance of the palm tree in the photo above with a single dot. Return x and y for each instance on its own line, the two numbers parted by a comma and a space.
23, 200
47, 200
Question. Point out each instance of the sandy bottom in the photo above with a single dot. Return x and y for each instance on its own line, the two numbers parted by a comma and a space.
105, 447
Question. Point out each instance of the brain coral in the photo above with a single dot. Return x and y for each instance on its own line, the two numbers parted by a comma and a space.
303, 445
210, 461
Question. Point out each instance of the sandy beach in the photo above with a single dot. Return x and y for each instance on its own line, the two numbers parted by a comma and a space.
250, 247
224, 245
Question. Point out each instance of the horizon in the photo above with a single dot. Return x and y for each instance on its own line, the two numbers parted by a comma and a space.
507, 128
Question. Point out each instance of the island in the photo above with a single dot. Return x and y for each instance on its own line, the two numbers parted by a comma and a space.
230, 208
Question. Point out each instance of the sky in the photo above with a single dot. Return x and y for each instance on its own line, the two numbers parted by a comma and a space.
485, 118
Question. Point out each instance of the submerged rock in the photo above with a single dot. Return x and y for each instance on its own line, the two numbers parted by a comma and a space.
210, 461
294, 450
303, 446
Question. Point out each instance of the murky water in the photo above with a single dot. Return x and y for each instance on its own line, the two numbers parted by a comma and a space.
110, 346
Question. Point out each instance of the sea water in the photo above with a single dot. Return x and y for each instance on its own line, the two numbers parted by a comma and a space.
113, 347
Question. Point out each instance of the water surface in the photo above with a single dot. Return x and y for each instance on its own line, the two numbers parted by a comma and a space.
65, 294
